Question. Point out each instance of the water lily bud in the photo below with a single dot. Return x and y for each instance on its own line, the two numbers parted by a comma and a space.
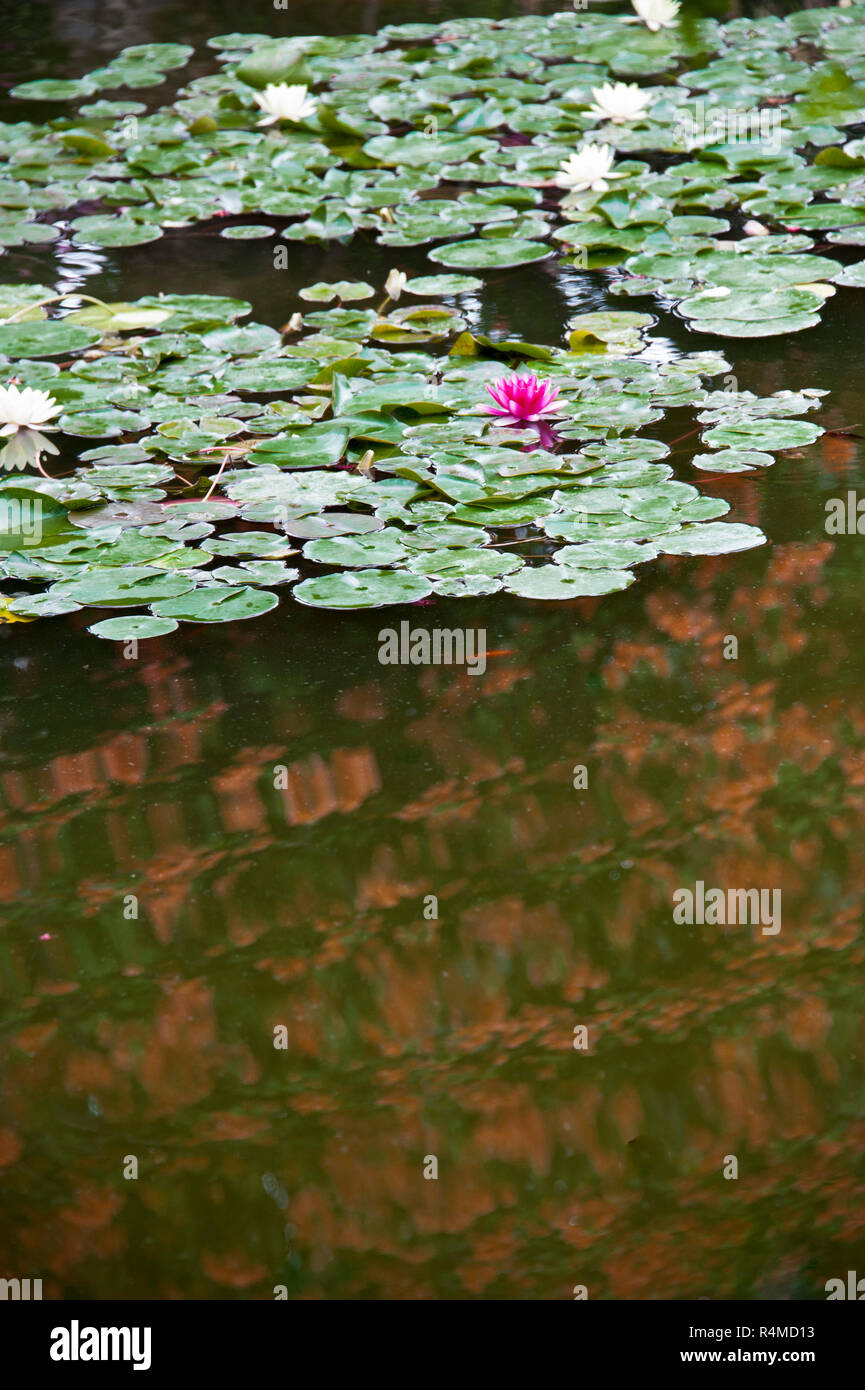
395, 284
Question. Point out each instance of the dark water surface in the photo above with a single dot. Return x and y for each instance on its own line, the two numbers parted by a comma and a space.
303, 907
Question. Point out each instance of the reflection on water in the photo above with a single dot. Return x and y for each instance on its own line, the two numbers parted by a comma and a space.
303, 907
174, 905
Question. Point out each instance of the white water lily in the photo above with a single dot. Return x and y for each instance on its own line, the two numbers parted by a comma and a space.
658, 14
588, 168
280, 102
25, 410
395, 284
620, 101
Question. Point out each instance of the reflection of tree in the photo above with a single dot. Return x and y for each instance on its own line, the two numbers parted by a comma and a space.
303, 907
87, 32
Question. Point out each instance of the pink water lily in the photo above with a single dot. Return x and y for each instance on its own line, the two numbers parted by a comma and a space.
522, 398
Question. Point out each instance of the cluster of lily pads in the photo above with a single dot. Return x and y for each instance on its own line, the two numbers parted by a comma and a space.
387, 452
461, 134
366, 476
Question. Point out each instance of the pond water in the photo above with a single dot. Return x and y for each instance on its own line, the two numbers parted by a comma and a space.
148, 786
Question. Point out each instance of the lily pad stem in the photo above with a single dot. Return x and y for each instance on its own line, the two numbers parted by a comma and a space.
55, 299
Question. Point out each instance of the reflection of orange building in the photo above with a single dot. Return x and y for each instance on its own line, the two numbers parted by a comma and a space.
298, 902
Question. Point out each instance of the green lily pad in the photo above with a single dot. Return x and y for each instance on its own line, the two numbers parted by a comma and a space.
266, 377
45, 605
330, 524
733, 461
433, 285
131, 626
763, 435
456, 561
256, 572
377, 548
102, 423
559, 582
132, 514
466, 585
367, 588
50, 338
216, 603
200, 511
505, 514
247, 231
53, 89
197, 312
117, 317
259, 543
491, 254
605, 554
312, 448
124, 587
607, 327
852, 275
719, 538
324, 292
115, 231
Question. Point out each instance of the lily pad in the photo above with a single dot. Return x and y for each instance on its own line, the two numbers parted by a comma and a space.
491, 254
324, 292
259, 543
53, 89
716, 538
312, 448
50, 338
605, 555
763, 435
132, 514
559, 582
136, 626
256, 572
433, 285
367, 588
115, 231
45, 605
330, 524
457, 562
378, 548
247, 231
733, 461
216, 603
124, 587
466, 585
